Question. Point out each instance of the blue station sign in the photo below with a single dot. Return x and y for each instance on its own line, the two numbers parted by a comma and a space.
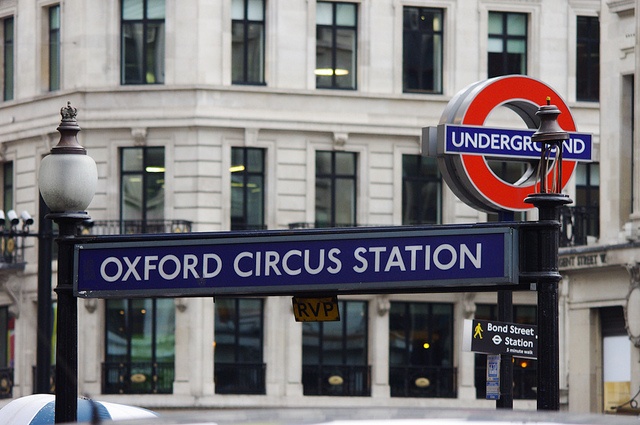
509, 143
272, 263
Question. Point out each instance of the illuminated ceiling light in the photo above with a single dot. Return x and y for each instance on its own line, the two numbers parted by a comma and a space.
154, 169
236, 168
328, 72
426, 345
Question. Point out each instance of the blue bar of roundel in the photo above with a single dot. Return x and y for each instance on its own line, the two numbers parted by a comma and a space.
502, 142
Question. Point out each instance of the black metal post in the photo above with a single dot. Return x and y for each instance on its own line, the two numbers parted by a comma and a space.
505, 314
66, 392
43, 351
548, 205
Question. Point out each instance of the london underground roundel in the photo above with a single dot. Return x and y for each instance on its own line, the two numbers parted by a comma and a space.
469, 174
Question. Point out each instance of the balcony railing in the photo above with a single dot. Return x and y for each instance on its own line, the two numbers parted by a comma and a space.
336, 380
419, 381
128, 227
137, 378
6, 382
240, 378
577, 224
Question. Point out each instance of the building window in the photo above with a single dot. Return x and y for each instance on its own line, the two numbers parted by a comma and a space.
525, 375
421, 190
140, 346
587, 203
336, 45
247, 38
507, 44
239, 341
336, 179
422, 50
7, 58
421, 350
7, 186
54, 48
143, 41
334, 354
588, 59
247, 188
142, 184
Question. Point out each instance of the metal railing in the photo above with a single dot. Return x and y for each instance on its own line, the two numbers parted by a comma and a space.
578, 223
137, 378
240, 378
6, 382
423, 381
336, 380
129, 227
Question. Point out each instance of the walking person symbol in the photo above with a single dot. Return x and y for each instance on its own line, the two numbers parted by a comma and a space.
478, 331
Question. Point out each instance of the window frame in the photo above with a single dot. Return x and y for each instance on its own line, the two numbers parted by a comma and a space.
344, 378
241, 369
8, 58
333, 176
246, 176
334, 27
146, 23
145, 176
54, 43
591, 42
246, 23
437, 85
504, 38
405, 376
123, 384
421, 181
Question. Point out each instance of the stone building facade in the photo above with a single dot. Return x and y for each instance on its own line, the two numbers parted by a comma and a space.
281, 114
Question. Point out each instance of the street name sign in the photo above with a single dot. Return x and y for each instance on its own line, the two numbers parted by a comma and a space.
358, 260
491, 337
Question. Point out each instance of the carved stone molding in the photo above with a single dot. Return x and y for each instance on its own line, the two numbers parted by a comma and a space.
139, 135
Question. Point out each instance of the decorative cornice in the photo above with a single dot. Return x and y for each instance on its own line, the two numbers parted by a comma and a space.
621, 6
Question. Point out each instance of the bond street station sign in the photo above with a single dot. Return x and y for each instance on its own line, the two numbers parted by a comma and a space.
490, 337
335, 261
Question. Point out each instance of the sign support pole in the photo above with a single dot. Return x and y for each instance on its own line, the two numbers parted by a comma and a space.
548, 205
505, 314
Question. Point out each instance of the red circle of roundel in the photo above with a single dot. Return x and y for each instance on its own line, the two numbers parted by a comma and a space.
502, 91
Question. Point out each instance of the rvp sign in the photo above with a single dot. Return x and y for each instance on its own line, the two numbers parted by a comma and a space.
462, 145
323, 309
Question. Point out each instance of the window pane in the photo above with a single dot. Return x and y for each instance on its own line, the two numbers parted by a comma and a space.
495, 23
516, 46
237, 9
132, 9
132, 159
346, 14
495, 45
255, 53
155, 197
323, 163
345, 209
132, 53
516, 24
225, 325
155, 53
422, 50
155, 9
255, 10
324, 13
116, 320
141, 326
345, 163
132, 197
356, 332
237, 51
165, 330
54, 17
255, 160
345, 58
324, 205
324, 59
8, 59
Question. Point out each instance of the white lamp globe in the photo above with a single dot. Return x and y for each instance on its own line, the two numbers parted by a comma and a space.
68, 177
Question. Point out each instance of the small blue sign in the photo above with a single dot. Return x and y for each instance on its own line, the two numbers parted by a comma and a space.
509, 143
233, 263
